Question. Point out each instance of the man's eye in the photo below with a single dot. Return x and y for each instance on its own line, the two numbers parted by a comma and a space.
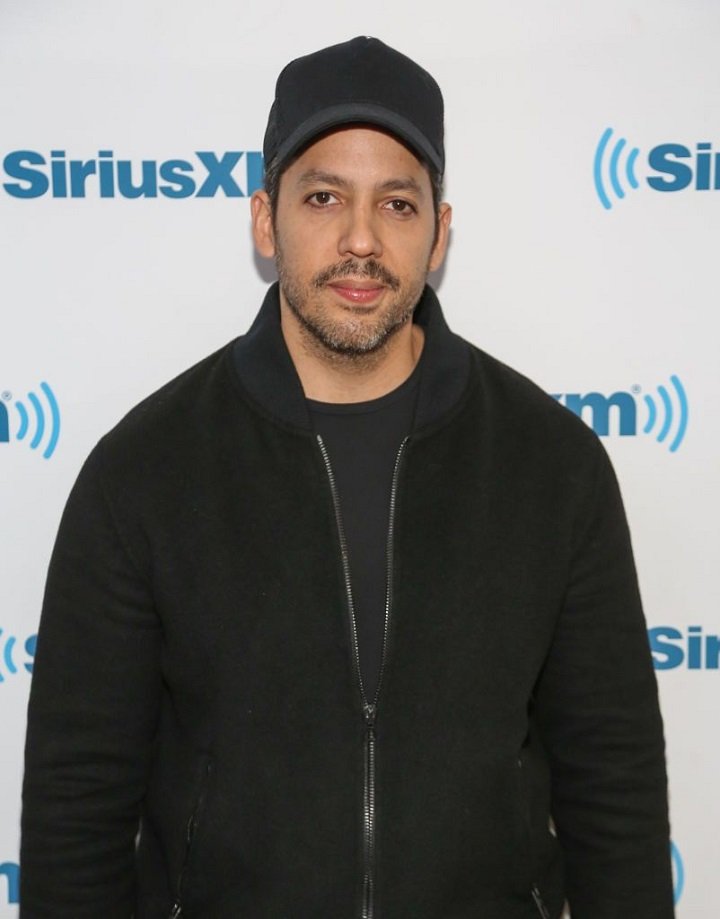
321, 198
400, 206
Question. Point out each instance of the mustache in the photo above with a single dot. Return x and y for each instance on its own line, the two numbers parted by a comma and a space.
351, 268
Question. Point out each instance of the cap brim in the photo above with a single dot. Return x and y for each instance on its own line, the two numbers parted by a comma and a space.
359, 113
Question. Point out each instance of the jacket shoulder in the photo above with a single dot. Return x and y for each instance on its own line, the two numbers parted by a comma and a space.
172, 408
518, 404
151, 457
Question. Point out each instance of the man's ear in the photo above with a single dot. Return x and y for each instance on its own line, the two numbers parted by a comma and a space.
262, 223
437, 256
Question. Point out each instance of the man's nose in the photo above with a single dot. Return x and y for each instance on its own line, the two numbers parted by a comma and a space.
360, 234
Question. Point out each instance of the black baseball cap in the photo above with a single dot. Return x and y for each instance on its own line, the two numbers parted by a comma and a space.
359, 81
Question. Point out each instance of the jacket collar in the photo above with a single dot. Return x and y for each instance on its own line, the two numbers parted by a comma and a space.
267, 373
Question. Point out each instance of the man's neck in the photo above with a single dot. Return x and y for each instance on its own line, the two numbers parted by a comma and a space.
327, 376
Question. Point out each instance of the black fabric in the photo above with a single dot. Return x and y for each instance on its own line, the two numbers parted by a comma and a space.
363, 440
361, 80
194, 671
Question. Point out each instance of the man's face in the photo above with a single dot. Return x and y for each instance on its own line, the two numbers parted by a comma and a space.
354, 236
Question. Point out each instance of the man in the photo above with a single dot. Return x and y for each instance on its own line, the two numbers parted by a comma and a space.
344, 619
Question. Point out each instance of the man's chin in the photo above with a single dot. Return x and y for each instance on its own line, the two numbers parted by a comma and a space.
355, 339
353, 346
347, 331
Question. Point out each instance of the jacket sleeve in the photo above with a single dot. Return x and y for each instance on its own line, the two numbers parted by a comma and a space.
92, 714
597, 709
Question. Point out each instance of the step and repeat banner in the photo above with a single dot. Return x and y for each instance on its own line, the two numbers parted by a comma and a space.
583, 148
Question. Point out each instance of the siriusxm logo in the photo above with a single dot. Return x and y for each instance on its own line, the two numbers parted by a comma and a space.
36, 426
234, 174
666, 414
678, 871
671, 648
11, 872
675, 167
9, 653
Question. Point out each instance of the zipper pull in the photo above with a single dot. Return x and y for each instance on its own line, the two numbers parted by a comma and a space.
369, 713
176, 911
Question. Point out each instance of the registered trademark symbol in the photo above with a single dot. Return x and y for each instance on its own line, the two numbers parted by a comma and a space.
635, 388
7, 395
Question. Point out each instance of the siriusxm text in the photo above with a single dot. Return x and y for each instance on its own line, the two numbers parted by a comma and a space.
598, 409
11, 872
675, 167
30, 174
692, 649
680, 167
666, 413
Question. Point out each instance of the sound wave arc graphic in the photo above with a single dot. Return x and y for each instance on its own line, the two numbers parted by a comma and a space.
670, 414
7, 657
613, 168
39, 420
678, 872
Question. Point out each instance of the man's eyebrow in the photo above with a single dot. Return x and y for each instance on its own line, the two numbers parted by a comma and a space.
313, 176
401, 183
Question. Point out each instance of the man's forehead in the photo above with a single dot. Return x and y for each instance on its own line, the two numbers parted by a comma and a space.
346, 154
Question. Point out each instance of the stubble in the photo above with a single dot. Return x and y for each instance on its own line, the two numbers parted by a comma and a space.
353, 340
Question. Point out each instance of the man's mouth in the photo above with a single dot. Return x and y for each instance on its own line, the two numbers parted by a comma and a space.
353, 275
362, 293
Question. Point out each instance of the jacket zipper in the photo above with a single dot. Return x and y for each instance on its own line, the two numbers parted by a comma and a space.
369, 709
542, 909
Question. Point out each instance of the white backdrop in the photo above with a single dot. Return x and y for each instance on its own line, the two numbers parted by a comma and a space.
104, 298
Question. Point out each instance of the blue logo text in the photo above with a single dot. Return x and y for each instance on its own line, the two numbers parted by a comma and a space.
675, 167
233, 174
666, 414
11, 872
671, 648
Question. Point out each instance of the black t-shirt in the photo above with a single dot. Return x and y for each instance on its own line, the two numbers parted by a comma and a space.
363, 440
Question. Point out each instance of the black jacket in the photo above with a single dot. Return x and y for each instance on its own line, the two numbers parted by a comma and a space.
195, 667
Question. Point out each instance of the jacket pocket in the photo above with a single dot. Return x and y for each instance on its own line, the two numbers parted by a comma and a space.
192, 825
523, 797
531, 856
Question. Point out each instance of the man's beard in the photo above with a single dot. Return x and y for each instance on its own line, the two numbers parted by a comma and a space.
349, 338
